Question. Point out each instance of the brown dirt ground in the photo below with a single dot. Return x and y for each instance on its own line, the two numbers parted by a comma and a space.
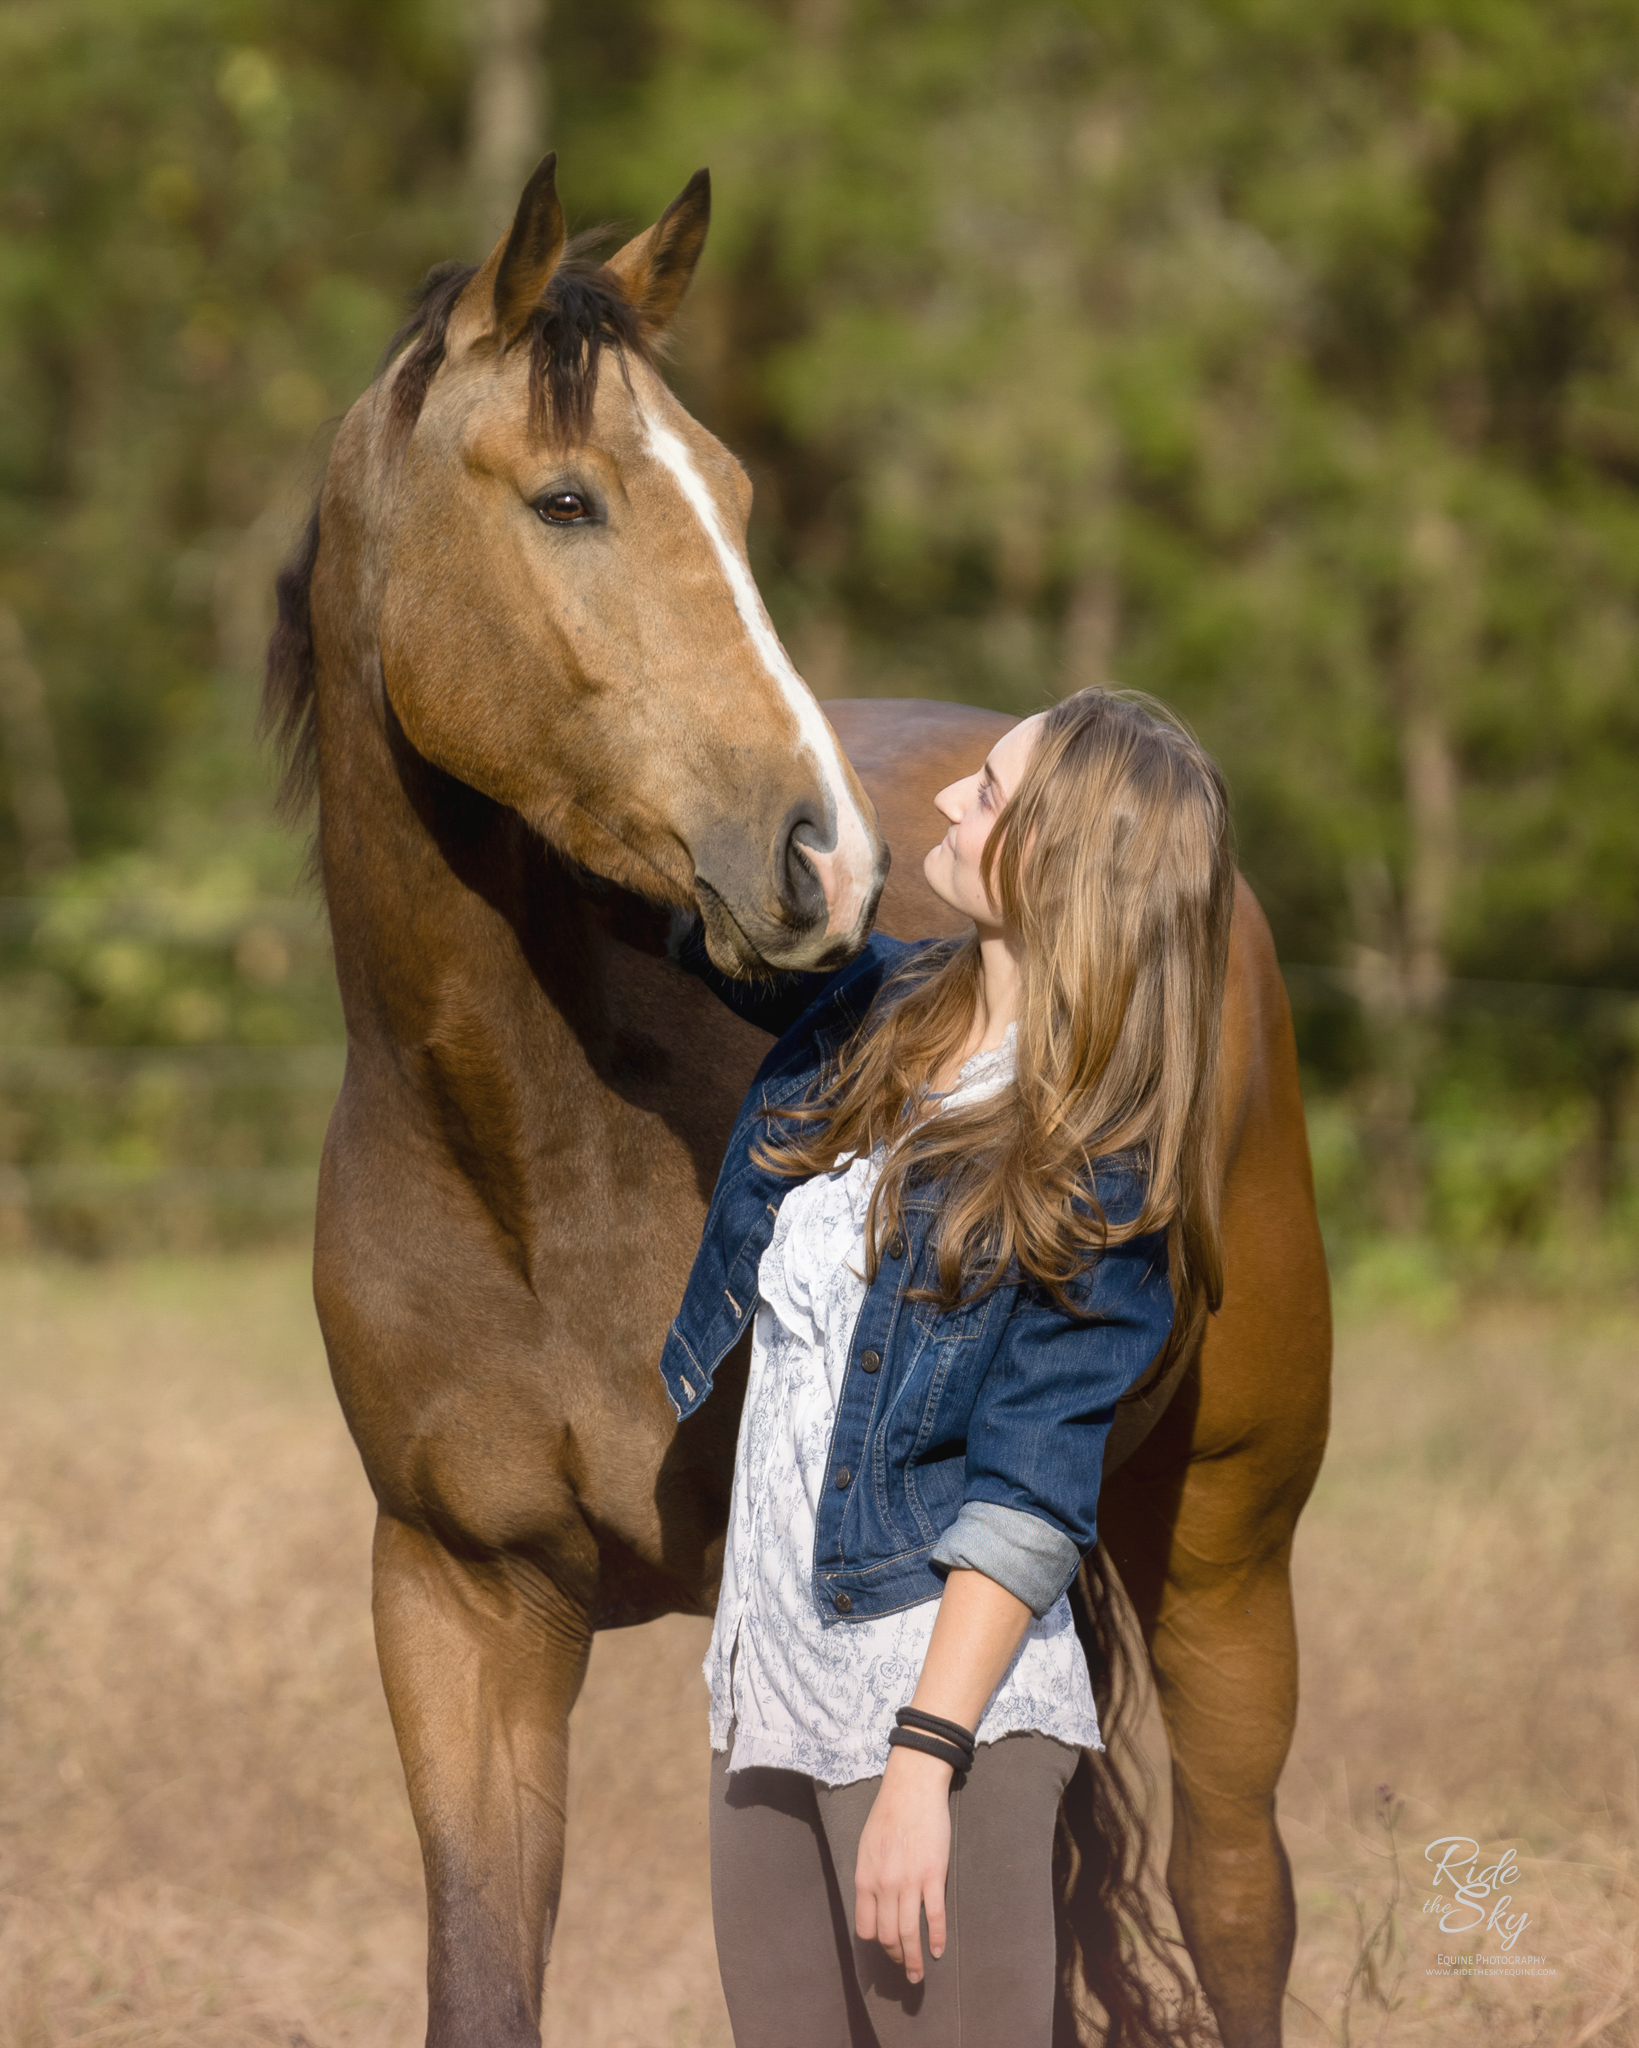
203, 1832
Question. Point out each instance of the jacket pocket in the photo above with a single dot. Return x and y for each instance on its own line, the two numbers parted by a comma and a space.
954, 1325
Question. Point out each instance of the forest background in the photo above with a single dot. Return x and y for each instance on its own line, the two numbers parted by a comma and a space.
1280, 358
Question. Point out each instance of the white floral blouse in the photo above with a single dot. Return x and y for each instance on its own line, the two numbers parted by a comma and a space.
786, 1691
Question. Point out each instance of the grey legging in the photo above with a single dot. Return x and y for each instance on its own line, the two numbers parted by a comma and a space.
782, 1900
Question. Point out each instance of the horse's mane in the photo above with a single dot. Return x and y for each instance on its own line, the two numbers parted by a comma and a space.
288, 715
582, 309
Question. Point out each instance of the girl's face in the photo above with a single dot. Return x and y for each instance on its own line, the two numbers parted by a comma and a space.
972, 806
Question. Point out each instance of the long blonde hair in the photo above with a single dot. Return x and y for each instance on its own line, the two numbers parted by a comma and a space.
1113, 862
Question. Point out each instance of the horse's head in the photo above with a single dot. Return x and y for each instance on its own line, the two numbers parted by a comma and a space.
567, 619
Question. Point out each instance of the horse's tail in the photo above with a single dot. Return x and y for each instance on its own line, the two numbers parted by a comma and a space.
1114, 1960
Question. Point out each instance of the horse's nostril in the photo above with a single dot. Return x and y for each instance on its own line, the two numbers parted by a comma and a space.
800, 885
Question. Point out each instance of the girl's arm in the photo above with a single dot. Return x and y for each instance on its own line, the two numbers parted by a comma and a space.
904, 1852
1035, 1451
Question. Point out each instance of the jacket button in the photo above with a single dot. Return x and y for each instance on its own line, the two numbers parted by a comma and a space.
843, 1604
870, 1361
843, 1477
896, 1250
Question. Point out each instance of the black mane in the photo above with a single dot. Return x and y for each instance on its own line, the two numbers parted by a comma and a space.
289, 714
582, 310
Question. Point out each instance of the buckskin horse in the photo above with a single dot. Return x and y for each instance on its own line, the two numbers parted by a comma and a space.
521, 658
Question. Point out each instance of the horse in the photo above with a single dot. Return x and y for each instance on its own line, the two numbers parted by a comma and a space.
521, 660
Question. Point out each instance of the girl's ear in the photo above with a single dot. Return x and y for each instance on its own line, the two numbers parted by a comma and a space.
654, 268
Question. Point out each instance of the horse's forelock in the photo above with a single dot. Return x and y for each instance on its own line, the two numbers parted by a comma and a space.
582, 310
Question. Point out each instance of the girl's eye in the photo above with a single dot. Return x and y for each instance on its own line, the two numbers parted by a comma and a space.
563, 507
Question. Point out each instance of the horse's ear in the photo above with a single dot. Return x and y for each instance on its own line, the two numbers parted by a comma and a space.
654, 269
508, 287
530, 253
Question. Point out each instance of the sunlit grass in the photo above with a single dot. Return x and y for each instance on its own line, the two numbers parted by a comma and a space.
1468, 1579
204, 1836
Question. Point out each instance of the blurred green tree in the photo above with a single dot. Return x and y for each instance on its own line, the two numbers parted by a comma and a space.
208, 213
1279, 359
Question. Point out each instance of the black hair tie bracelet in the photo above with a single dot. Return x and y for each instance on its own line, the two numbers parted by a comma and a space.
934, 1724
934, 1736
930, 1745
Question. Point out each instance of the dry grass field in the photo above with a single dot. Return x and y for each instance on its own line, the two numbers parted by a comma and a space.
203, 1834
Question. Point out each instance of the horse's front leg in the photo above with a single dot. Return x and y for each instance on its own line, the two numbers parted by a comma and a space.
481, 1661
1203, 1547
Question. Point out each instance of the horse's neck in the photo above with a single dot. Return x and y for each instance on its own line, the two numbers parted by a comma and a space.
475, 971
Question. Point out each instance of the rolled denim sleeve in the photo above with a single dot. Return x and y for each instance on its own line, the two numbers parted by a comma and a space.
1029, 1557
1035, 1441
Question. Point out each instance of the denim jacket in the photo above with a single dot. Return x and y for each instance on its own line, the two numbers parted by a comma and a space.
971, 1437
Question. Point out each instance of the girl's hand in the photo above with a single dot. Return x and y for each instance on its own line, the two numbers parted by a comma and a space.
904, 1855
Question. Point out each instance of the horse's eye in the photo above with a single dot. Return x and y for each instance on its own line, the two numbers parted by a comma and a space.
563, 507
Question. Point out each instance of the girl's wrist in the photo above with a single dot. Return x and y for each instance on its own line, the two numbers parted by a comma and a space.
910, 1767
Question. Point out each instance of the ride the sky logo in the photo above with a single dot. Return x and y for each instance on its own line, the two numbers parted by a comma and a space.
1478, 1900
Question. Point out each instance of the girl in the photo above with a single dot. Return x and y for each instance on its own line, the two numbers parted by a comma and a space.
966, 1201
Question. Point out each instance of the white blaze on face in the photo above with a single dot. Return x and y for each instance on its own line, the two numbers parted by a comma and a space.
846, 871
